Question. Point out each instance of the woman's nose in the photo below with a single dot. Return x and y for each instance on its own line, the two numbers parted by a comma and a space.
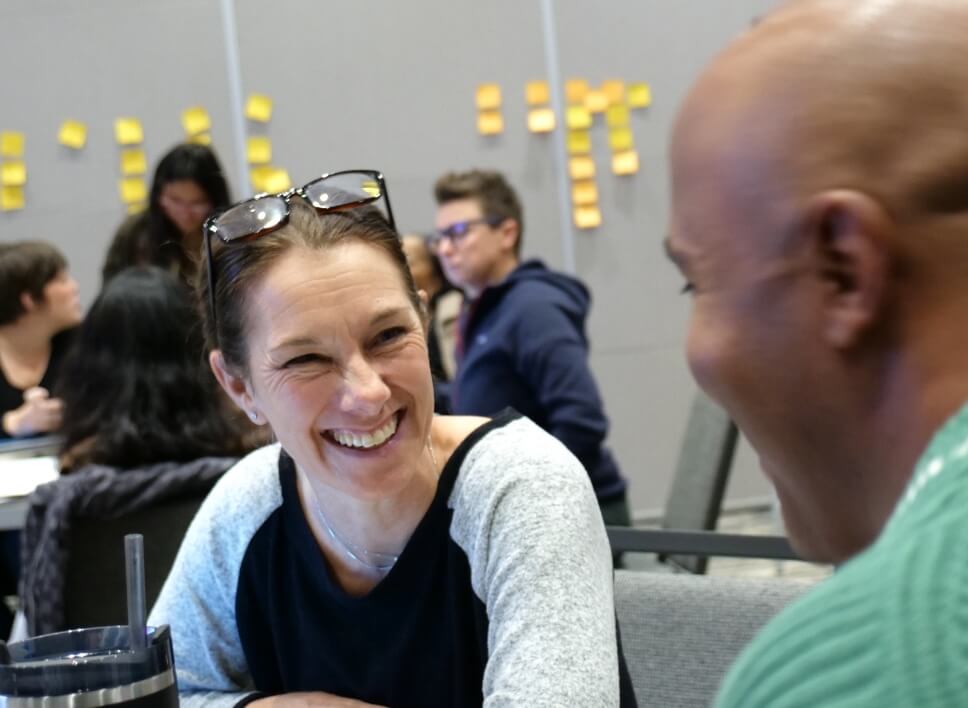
364, 390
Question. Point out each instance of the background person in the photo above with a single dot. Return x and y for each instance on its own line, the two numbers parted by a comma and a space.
188, 185
39, 307
826, 254
521, 336
144, 423
135, 387
443, 305
377, 542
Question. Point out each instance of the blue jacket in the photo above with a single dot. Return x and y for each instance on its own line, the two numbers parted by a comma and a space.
524, 347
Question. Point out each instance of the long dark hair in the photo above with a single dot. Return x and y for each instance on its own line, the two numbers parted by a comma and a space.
135, 386
198, 164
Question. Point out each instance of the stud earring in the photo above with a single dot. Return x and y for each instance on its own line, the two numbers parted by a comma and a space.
253, 416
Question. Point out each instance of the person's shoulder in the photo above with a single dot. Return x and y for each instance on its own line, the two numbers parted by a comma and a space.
512, 450
248, 492
882, 621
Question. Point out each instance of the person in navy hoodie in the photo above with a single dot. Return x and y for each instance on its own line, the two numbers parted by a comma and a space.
521, 333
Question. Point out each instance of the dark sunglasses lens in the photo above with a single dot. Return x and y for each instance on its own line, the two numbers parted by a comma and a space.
343, 190
250, 218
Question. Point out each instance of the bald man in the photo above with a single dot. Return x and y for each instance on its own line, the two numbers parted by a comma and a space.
820, 218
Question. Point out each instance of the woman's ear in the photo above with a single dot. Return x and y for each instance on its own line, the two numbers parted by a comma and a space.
27, 302
235, 385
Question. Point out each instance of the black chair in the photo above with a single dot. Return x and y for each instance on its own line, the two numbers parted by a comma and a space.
72, 573
95, 574
702, 473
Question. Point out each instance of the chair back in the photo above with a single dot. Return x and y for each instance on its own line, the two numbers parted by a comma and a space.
95, 584
702, 472
680, 632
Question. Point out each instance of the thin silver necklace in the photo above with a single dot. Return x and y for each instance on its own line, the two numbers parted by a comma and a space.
374, 560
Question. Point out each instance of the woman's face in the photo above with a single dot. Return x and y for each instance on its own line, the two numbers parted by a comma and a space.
338, 367
62, 302
186, 204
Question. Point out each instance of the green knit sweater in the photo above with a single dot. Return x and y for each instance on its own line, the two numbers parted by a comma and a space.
890, 628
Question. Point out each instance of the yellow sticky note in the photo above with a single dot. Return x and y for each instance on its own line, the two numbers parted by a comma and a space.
541, 120
595, 101
584, 192
620, 139
581, 167
133, 162
12, 144
258, 107
537, 93
640, 95
132, 190
258, 150
195, 120
13, 173
128, 131
269, 179
575, 90
72, 134
137, 208
488, 97
11, 198
578, 142
578, 118
617, 116
614, 90
490, 122
625, 163
587, 217
201, 139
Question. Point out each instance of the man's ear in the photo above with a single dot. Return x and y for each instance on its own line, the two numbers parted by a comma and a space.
510, 231
236, 386
852, 236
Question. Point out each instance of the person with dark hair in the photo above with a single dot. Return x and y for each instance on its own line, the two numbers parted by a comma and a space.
521, 334
39, 308
376, 541
443, 305
135, 387
819, 217
188, 185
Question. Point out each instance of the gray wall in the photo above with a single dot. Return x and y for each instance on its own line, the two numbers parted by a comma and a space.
390, 85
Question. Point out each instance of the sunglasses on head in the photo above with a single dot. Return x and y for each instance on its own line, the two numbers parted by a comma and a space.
265, 213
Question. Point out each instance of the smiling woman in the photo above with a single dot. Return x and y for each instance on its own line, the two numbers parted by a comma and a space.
376, 541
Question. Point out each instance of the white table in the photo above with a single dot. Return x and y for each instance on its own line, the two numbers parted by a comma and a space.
24, 464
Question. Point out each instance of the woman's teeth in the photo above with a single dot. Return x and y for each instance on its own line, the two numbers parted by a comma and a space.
366, 440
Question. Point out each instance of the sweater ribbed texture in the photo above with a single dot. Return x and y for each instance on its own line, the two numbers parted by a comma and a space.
890, 628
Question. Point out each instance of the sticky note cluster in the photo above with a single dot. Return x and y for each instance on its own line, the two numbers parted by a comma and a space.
13, 170
263, 175
541, 116
582, 103
197, 125
133, 164
490, 118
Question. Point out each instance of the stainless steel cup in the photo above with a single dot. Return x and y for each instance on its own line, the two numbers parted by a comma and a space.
84, 668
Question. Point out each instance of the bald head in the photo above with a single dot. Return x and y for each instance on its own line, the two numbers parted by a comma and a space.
820, 214
849, 94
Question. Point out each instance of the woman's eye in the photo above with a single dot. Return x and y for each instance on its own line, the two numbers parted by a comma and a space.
388, 335
303, 359
687, 288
